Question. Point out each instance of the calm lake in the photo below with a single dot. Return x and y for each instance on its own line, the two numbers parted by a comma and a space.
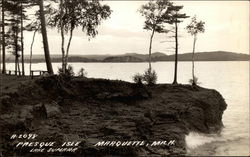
231, 79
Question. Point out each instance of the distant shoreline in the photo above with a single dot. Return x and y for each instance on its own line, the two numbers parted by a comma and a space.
147, 62
140, 58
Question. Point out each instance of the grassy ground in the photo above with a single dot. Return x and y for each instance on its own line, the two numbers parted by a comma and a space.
10, 83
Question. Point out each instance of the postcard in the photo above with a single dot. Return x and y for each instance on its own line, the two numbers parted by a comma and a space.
152, 78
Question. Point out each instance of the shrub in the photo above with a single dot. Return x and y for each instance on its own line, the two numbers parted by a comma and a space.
138, 78
195, 81
150, 77
82, 72
69, 72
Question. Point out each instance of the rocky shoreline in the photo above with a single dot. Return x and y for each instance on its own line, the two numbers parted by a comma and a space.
92, 110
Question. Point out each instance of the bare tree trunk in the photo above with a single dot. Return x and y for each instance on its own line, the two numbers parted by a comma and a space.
68, 46
150, 48
22, 47
176, 53
17, 68
0, 48
15, 65
0, 55
194, 83
45, 38
62, 36
3, 39
31, 47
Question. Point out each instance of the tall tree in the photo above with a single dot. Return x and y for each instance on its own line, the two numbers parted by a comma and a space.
194, 28
13, 40
62, 35
175, 18
156, 13
0, 48
45, 38
73, 14
22, 6
3, 37
13, 22
22, 42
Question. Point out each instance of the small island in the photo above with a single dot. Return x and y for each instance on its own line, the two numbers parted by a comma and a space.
92, 110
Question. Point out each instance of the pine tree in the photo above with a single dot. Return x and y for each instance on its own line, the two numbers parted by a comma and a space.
175, 18
12, 36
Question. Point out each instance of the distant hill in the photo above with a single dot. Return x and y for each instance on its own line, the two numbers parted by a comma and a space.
122, 59
54, 58
144, 57
135, 57
206, 56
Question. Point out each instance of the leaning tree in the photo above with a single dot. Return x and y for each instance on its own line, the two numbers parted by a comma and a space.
194, 28
37, 23
73, 14
41, 22
156, 14
34, 26
44, 36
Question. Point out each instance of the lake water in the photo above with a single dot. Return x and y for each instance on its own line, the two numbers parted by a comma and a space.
231, 79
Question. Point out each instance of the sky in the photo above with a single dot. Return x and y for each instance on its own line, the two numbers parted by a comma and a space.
226, 29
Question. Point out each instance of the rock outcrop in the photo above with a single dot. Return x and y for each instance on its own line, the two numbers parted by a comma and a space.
92, 110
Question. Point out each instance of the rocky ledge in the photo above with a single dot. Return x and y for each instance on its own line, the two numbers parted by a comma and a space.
92, 110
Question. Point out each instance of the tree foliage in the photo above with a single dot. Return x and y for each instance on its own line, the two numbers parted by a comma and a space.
83, 14
73, 14
156, 14
195, 26
175, 15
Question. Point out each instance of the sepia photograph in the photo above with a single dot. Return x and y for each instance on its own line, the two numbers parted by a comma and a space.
111, 78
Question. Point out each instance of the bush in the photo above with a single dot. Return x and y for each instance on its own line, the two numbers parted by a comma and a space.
138, 78
82, 72
195, 81
149, 77
69, 72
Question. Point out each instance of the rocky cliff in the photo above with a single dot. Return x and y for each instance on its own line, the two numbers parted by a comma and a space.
92, 110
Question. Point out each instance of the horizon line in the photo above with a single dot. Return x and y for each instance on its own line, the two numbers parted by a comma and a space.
137, 53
